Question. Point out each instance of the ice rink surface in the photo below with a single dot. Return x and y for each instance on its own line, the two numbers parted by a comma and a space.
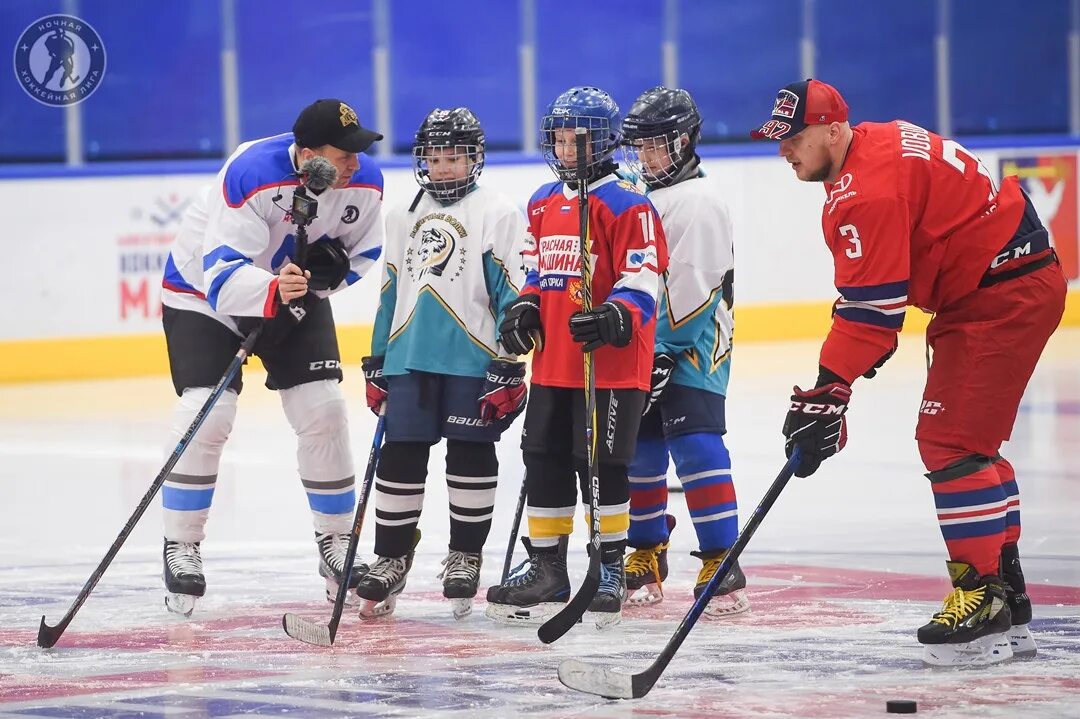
845, 568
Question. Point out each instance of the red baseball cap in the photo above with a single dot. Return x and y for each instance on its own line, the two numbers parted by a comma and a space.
810, 102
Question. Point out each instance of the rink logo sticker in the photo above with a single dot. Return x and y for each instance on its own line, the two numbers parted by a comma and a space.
59, 60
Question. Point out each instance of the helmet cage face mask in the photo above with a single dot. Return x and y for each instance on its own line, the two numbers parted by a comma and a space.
602, 142
425, 156
658, 160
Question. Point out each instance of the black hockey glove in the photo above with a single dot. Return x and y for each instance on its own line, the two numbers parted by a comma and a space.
608, 324
277, 328
375, 387
504, 391
328, 263
663, 365
520, 329
816, 424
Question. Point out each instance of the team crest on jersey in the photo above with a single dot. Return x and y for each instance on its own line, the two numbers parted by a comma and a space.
436, 247
785, 105
627, 185
351, 214
573, 290
840, 191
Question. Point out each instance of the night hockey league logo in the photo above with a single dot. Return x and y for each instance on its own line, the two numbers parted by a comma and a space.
786, 102
59, 60
439, 237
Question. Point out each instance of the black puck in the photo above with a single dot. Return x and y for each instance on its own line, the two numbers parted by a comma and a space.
900, 706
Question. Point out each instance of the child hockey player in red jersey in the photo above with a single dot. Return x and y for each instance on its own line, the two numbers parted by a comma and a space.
629, 253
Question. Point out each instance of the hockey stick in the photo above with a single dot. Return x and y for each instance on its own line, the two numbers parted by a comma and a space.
571, 614
48, 636
514, 530
312, 632
611, 684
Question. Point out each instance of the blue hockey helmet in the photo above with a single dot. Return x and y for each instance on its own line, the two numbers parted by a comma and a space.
588, 107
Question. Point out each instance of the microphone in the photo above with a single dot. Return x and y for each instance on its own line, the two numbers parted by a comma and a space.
317, 174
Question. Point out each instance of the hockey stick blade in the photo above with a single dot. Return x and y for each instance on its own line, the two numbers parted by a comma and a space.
608, 683
571, 614
48, 636
321, 635
601, 681
306, 630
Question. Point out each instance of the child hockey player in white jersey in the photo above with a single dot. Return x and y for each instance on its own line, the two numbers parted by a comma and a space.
453, 262
232, 267
684, 416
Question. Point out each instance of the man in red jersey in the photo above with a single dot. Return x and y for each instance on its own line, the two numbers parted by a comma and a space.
628, 255
913, 218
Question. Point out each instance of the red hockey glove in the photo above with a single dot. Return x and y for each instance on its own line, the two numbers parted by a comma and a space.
374, 383
504, 391
815, 422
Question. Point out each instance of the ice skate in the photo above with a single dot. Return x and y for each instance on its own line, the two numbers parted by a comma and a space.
183, 574
606, 607
461, 578
730, 597
971, 627
333, 547
384, 581
646, 570
535, 590
1020, 639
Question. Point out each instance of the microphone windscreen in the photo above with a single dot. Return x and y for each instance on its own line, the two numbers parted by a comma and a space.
317, 173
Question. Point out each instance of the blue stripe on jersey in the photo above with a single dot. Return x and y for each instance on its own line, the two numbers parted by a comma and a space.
546, 190
620, 196
219, 282
645, 304
372, 254
967, 530
222, 254
351, 277
174, 278
971, 498
263, 164
886, 291
871, 317
369, 173
532, 279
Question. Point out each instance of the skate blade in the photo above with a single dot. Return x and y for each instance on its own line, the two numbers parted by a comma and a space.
646, 595
605, 620
182, 604
351, 598
727, 605
990, 649
461, 607
534, 615
374, 610
1021, 641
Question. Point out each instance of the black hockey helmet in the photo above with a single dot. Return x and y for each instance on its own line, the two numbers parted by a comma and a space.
660, 118
446, 135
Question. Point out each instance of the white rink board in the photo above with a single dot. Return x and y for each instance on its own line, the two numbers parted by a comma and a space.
89, 252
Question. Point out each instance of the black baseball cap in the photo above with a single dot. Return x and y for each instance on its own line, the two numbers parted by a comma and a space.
809, 102
332, 122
